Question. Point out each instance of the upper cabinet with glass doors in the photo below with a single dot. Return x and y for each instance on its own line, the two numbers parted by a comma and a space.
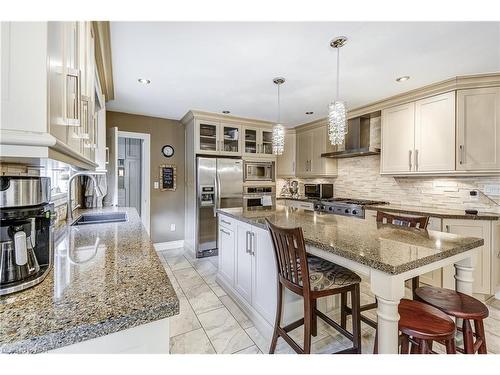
229, 136
257, 142
216, 138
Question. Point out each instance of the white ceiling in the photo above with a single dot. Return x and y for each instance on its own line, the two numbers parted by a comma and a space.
229, 66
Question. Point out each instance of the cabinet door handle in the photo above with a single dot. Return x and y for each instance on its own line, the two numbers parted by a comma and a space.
447, 227
225, 222
107, 155
75, 75
252, 243
416, 160
223, 231
293, 166
409, 160
461, 154
247, 246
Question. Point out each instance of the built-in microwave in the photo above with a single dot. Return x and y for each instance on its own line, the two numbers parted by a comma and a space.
258, 171
318, 191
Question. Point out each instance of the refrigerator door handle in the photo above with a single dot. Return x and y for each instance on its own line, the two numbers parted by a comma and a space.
217, 195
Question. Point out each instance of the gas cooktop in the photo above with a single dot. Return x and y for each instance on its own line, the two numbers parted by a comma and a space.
345, 206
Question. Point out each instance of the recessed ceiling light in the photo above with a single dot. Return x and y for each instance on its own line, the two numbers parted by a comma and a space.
144, 81
226, 112
402, 79
309, 112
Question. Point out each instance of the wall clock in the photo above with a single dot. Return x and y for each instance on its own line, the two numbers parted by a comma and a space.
167, 151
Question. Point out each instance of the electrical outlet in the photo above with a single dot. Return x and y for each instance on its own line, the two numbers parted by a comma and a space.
156, 185
492, 189
172, 227
473, 195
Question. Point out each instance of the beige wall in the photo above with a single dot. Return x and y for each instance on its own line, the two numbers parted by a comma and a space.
360, 178
167, 207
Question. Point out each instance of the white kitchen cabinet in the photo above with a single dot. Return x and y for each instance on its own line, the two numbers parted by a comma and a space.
435, 133
251, 256
217, 138
482, 271
478, 129
43, 72
257, 141
285, 163
264, 281
243, 261
311, 143
227, 249
398, 129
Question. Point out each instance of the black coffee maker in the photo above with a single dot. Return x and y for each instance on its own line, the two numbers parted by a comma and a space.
26, 240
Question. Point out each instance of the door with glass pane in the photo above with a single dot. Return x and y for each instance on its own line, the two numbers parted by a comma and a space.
250, 141
230, 139
208, 137
266, 144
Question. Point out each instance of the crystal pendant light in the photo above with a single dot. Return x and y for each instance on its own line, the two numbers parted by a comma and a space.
278, 130
337, 116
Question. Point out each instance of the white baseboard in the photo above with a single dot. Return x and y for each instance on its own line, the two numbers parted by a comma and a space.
159, 246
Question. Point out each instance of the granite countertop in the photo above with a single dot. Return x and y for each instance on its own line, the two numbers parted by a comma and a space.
389, 248
443, 213
106, 278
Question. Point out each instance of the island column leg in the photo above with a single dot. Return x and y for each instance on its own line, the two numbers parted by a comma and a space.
464, 278
389, 289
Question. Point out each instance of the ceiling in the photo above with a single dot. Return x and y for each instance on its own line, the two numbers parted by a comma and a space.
230, 66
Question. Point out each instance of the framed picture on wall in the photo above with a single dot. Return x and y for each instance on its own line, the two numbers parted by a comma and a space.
168, 177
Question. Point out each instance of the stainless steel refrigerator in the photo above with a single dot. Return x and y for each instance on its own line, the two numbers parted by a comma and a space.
219, 185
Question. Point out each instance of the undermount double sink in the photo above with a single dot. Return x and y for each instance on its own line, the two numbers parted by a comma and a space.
113, 217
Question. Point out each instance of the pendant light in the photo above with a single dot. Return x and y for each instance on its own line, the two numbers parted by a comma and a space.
278, 130
337, 116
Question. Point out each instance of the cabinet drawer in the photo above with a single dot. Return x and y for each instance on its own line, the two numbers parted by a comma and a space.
226, 222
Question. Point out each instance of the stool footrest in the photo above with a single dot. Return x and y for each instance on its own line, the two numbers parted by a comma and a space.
334, 324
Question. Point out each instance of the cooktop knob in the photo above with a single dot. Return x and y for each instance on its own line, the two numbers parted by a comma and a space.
346, 211
330, 208
354, 212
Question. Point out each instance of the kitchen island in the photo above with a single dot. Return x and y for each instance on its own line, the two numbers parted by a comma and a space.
388, 255
107, 293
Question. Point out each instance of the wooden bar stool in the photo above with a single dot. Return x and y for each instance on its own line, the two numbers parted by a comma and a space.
420, 222
420, 325
312, 278
460, 306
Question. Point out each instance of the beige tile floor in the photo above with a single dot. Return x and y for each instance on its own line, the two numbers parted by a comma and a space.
211, 322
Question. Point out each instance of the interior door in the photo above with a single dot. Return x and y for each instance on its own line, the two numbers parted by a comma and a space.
398, 135
111, 198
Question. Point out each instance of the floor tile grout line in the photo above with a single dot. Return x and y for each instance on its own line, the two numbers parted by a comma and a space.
223, 306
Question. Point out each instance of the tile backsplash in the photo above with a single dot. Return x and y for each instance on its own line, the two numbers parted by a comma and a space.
360, 178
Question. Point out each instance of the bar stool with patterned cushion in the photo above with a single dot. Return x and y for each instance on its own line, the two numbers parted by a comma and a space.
312, 278
420, 325
460, 306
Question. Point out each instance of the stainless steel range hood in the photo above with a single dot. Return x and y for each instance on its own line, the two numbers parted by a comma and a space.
358, 140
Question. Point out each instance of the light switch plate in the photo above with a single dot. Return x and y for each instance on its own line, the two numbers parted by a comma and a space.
172, 227
492, 189
156, 185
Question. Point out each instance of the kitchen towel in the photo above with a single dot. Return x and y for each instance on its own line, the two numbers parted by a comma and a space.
267, 200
